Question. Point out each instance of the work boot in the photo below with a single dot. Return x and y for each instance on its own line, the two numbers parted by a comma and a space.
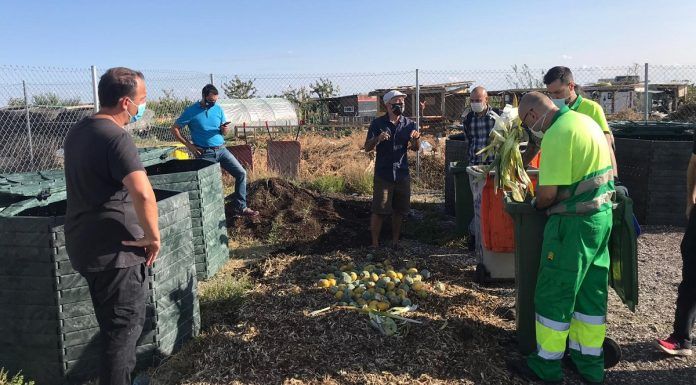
571, 365
520, 368
673, 346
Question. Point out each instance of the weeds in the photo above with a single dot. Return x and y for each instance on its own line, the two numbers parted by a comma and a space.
327, 184
221, 298
17, 379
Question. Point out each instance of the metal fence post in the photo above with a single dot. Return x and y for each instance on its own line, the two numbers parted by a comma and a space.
95, 91
647, 95
26, 109
417, 105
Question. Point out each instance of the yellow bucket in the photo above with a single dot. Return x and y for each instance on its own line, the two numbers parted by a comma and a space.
180, 153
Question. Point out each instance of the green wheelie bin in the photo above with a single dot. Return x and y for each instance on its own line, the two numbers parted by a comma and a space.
463, 198
529, 233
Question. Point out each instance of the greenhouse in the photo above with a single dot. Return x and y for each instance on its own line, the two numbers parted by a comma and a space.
277, 112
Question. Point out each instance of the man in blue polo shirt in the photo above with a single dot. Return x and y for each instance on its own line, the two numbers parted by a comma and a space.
207, 123
392, 135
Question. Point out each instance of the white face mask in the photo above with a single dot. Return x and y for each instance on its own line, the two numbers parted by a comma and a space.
540, 122
478, 107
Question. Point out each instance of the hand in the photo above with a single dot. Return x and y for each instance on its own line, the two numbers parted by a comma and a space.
415, 134
383, 136
152, 248
224, 127
194, 150
621, 190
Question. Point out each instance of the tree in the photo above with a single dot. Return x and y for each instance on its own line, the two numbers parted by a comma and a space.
634, 70
308, 109
239, 89
522, 78
16, 102
52, 99
324, 88
168, 105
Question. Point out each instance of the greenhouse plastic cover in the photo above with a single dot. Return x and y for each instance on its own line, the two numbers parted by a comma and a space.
256, 112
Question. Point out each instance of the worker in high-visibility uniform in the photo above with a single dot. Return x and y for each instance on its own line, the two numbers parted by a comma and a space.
575, 189
561, 88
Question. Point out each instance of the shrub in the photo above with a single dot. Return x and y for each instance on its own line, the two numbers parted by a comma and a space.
358, 179
327, 184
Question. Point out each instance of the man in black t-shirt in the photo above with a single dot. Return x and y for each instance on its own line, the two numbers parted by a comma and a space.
111, 220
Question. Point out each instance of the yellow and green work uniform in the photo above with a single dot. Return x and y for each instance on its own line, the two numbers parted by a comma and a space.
593, 110
571, 292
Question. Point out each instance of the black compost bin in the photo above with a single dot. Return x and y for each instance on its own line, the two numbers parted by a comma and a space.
47, 325
652, 160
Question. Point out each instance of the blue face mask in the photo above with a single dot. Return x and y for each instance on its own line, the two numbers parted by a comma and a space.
138, 115
559, 102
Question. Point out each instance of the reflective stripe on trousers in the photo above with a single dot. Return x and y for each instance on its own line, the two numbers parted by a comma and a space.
587, 333
551, 337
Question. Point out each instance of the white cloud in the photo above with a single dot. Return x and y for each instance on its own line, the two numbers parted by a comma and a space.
566, 57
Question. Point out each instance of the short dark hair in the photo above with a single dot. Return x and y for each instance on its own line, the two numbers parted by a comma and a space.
558, 73
209, 89
116, 83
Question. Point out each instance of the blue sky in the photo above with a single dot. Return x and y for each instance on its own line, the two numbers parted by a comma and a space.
301, 36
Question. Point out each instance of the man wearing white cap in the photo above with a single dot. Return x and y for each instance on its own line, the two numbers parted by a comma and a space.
391, 135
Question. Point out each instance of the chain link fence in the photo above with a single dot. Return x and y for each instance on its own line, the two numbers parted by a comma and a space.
329, 113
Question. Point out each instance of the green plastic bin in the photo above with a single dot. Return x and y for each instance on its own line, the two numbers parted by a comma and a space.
19, 191
463, 198
48, 329
529, 234
202, 180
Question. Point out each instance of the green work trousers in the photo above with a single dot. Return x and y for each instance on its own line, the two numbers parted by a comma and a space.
571, 295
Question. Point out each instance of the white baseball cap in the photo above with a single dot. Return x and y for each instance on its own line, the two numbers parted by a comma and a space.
391, 95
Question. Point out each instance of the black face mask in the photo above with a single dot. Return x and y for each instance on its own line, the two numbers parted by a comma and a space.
397, 109
209, 103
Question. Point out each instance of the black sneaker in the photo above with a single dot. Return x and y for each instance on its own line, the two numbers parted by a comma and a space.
520, 368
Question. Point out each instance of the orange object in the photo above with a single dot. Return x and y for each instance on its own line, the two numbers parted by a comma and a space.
535, 162
497, 228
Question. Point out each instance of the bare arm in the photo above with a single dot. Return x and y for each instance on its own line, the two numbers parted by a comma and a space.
370, 144
546, 196
145, 205
690, 180
610, 142
176, 131
530, 153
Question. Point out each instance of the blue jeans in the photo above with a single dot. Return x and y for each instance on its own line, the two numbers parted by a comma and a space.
230, 164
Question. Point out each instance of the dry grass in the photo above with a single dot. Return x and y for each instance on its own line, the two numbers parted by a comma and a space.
275, 340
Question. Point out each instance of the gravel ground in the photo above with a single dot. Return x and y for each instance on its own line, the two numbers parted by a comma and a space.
659, 274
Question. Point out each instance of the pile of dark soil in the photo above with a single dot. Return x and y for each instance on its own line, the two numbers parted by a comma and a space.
299, 219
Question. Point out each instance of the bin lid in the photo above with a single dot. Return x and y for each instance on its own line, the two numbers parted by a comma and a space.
461, 136
19, 191
652, 130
